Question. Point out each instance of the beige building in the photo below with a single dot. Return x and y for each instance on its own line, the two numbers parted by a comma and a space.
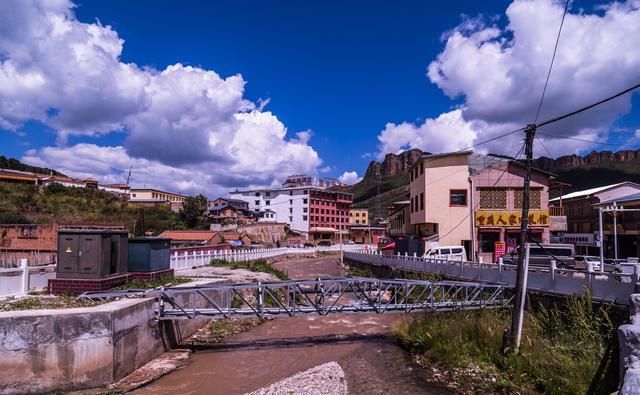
153, 197
358, 216
439, 203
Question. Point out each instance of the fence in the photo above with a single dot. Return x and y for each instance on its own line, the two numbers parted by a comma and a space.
19, 281
10, 259
604, 287
203, 258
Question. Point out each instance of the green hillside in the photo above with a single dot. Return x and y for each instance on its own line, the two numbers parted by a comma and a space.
14, 164
585, 177
367, 188
57, 203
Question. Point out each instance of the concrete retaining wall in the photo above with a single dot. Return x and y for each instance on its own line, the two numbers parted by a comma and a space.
629, 342
50, 350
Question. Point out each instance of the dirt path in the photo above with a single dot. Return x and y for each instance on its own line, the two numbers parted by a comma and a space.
361, 344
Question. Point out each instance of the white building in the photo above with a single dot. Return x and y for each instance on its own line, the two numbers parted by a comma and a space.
289, 204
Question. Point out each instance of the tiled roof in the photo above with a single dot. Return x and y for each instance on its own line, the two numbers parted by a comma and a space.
188, 234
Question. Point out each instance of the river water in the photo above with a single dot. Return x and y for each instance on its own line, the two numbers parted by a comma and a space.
279, 348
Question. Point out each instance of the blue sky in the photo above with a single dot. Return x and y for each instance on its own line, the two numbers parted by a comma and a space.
342, 70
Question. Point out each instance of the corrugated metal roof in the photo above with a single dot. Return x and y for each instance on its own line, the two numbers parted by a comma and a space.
588, 192
628, 198
188, 234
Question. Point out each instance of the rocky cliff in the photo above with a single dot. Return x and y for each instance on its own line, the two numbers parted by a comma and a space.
393, 164
591, 159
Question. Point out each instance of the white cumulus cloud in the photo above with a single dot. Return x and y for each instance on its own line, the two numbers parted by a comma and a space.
499, 72
187, 128
349, 178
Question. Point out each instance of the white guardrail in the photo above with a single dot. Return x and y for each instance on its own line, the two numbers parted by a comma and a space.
606, 287
19, 281
203, 258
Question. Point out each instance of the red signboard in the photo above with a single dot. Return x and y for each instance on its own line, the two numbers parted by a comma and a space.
500, 249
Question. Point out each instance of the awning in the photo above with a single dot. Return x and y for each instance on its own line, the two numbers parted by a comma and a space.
390, 246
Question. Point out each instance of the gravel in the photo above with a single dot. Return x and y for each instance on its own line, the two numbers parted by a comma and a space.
323, 379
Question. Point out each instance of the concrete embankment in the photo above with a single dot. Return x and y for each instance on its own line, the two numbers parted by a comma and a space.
51, 350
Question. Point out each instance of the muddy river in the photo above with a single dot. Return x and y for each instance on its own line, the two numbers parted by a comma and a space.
279, 348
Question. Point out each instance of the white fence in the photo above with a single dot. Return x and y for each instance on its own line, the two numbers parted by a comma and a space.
19, 281
203, 258
606, 287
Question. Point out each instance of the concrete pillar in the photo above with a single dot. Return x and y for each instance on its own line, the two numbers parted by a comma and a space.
24, 264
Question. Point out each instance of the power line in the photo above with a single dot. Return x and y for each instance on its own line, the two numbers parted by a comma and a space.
555, 49
477, 205
544, 146
590, 106
587, 141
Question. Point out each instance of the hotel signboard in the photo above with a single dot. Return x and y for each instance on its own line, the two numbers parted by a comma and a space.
507, 218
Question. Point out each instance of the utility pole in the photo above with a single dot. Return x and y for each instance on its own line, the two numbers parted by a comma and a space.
518, 306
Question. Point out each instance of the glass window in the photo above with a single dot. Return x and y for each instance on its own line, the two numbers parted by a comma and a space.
304, 217
304, 201
458, 197
421, 201
267, 202
304, 209
257, 202
268, 193
486, 241
257, 193
290, 201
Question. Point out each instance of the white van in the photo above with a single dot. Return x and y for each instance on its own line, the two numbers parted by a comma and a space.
453, 253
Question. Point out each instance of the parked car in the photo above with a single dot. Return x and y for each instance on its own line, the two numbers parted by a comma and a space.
582, 262
325, 243
348, 242
309, 244
447, 252
543, 254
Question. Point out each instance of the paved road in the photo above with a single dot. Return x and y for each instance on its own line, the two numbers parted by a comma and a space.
279, 348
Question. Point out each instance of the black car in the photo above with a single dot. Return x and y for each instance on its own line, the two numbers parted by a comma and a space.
325, 243
309, 244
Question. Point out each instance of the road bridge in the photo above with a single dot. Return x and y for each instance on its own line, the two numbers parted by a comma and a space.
322, 296
613, 288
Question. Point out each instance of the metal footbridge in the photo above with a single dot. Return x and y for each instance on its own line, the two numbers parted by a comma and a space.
322, 296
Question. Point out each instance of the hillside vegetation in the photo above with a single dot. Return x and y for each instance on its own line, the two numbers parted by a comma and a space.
14, 164
21, 204
591, 176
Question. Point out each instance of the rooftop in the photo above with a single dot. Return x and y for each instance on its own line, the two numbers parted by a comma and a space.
188, 234
628, 198
588, 192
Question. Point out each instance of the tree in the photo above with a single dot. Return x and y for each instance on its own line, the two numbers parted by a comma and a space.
193, 211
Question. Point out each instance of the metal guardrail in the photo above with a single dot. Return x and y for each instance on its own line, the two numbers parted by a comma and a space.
323, 296
604, 287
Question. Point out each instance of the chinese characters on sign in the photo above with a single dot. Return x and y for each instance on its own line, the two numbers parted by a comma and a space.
511, 218
500, 249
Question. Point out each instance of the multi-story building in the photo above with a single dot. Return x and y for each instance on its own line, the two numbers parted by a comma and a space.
318, 209
438, 201
474, 201
581, 209
627, 227
399, 224
359, 216
235, 203
497, 198
156, 197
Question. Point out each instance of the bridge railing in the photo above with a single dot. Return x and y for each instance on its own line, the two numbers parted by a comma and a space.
202, 258
607, 287
20, 281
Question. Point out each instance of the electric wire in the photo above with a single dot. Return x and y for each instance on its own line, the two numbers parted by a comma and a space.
555, 49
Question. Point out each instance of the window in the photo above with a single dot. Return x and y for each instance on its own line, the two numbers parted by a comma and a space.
290, 193
306, 192
534, 198
133, 194
458, 197
357, 214
357, 221
421, 168
290, 201
290, 219
290, 211
421, 201
305, 201
268, 194
304, 218
257, 202
304, 209
267, 202
257, 193
411, 204
493, 198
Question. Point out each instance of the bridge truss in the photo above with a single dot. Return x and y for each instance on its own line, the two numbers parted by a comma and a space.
323, 296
